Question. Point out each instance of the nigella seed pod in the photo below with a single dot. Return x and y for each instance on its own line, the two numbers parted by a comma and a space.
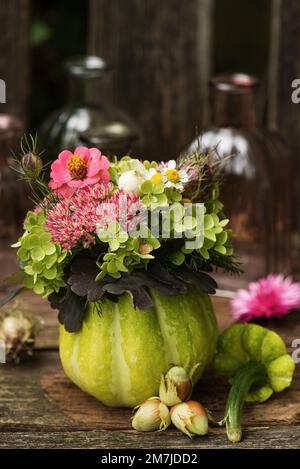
151, 415
32, 164
175, 387
190, 418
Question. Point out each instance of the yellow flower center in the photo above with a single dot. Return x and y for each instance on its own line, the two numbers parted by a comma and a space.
157, 177
172, 175
77, 167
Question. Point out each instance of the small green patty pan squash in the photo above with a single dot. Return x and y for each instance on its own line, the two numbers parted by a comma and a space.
120, 353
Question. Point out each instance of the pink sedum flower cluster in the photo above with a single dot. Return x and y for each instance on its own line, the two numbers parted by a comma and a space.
271, 296
71, 171
126, 209
74, 219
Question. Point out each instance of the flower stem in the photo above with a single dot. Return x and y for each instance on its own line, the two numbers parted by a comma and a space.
242, 382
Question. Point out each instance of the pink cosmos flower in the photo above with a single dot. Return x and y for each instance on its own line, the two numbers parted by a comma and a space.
74, 219
84, 167
272, 296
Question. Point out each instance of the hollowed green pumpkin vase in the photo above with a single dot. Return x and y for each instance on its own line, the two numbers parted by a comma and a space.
120, 352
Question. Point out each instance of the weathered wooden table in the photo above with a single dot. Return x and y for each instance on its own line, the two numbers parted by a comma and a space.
41, 408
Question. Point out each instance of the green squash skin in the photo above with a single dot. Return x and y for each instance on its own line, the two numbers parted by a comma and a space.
120, 353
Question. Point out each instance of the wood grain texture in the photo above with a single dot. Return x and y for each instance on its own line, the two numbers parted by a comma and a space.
160, 55
14, 55
41, 408
288, 112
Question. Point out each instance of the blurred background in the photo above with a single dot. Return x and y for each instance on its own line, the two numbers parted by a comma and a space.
150, 77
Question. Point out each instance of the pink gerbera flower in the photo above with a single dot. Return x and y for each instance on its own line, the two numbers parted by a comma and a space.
74, 219
271, 296
84, 167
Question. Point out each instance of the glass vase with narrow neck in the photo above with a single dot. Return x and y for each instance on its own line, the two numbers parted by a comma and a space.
88, 118
255, 184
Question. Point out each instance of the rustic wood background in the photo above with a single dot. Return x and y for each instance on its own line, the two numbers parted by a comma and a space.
160, 54
15, 55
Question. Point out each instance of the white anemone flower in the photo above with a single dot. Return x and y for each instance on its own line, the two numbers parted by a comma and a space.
173, 177
153, 175
130, 181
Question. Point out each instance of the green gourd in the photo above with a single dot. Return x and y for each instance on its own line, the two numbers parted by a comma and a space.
120, 352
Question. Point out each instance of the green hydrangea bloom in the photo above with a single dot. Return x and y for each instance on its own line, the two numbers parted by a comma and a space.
41, 260
124, 252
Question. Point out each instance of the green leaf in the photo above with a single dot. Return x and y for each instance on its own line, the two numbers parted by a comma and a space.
220, 249
37, 253
114, 244
146, 187
38, 288
28, 269
176, 196
50, 274
158, 188
189, 222
210, 235
222, 238
204, 252
34, 240
208, 222
37, 267
224, 222
50, 261
23, 254
112, 268
177, 257
49, 249
45, 238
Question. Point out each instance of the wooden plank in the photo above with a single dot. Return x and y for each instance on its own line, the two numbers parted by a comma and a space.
14, 55
281, 437
36, 398
160, 56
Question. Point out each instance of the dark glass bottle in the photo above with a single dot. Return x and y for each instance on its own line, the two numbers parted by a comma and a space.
86, 119
256, 186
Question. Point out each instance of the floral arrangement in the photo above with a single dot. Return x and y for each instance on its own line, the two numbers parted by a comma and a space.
101, 228
153, 230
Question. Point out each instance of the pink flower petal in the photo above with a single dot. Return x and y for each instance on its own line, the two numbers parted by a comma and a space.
94, 152
76, 183
65, 191
94, 166
59, 172
84, 152
91, 181
104, 163
104, 176
64, 156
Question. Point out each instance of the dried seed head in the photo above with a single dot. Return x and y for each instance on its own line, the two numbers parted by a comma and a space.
18, 330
